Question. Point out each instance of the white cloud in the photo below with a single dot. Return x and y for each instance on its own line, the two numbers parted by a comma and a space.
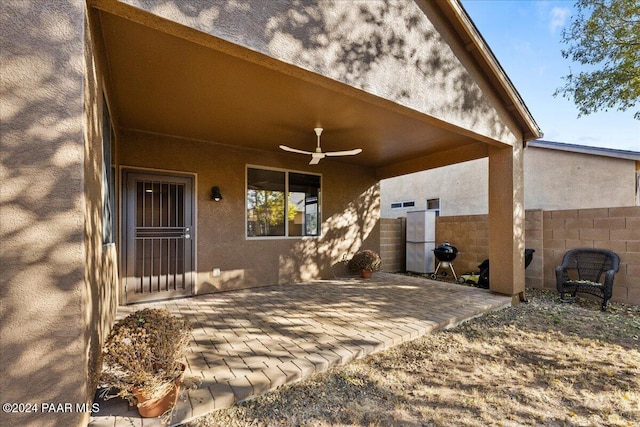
558, 17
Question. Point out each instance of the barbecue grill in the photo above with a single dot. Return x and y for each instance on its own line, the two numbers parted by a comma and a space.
445, 253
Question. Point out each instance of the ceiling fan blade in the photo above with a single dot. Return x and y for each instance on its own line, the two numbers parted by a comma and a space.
316, 157
294, 150
344, 153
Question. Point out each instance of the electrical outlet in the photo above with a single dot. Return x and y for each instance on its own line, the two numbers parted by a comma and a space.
216, 272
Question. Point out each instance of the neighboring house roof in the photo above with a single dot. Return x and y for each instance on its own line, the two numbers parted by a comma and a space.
575, 148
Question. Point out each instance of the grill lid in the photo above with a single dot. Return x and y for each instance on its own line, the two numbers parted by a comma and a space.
445, 252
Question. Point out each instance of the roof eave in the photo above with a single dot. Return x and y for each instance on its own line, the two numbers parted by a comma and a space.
478, 47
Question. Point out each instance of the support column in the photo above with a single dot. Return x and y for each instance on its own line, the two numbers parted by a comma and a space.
506, 221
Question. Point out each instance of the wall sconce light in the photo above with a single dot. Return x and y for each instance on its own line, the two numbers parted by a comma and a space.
215, 194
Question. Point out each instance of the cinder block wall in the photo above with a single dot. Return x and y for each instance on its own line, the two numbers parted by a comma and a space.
550, 234
617, 229
534, 240
392, 244
468, 233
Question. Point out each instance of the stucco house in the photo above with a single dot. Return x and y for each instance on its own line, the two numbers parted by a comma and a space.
119, 118
556, 176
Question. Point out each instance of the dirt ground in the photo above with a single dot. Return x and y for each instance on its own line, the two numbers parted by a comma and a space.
544, 363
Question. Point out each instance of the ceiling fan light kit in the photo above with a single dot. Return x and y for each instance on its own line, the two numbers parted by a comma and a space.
318, 155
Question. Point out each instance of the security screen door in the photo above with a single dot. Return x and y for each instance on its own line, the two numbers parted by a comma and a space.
158, 224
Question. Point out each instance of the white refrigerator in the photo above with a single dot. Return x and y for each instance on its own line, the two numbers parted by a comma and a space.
421, 241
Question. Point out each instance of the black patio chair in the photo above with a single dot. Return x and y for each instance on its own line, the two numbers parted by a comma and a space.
589, 271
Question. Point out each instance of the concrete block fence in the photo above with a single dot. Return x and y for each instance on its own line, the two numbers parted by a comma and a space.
392, 244
616, 229
549, 233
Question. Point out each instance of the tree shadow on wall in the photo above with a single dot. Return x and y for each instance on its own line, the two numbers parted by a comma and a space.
343, 234
54, 310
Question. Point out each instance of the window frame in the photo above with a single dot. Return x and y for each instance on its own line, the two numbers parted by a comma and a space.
286, 198
108, 178
436, 210
404, 204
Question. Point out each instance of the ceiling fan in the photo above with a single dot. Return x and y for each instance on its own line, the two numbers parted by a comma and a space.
318, 155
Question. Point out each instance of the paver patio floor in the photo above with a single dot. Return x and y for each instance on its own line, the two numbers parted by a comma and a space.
248, 342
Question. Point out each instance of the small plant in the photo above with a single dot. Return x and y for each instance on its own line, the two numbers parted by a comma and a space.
143, 352
366, 260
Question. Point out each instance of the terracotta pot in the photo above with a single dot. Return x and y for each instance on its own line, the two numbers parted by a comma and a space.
151, 408
366, 274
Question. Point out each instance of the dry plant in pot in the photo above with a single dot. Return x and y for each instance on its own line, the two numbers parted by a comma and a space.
366, 261
142, 359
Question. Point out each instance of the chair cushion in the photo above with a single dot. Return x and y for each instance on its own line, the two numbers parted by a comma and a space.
583, 283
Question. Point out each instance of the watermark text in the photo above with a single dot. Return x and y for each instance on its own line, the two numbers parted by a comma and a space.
49, 407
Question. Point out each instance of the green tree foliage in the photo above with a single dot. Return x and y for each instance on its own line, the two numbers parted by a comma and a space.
267, 208
604, 35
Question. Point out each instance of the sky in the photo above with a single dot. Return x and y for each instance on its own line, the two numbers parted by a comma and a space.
525, 37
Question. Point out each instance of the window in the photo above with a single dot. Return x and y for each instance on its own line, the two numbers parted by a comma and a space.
304, 191
282, 203
406, 204
434, 205
108, 178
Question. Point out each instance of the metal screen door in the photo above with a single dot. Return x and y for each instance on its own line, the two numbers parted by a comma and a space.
158, 224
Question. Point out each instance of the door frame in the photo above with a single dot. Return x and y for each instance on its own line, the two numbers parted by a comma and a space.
123, 171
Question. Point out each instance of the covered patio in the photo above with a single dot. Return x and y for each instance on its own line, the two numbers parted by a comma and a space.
213, 104
248, 342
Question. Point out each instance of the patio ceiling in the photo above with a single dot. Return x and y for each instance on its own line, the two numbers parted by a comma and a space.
186, 84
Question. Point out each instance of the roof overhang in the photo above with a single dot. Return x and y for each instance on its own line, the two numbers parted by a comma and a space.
488, 63
167, 79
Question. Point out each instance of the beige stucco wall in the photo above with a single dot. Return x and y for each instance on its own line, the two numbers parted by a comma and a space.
53, 262
401, 51
557, 179
350, 212
463, 189
553, 179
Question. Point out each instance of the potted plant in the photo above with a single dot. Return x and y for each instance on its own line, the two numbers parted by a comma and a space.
366, 261
142, 359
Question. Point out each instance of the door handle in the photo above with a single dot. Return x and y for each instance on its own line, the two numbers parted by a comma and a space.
186, 236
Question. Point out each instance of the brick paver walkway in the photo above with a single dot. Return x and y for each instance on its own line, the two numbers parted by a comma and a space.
251, 341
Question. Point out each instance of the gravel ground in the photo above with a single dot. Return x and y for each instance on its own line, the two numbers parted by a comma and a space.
543, 363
